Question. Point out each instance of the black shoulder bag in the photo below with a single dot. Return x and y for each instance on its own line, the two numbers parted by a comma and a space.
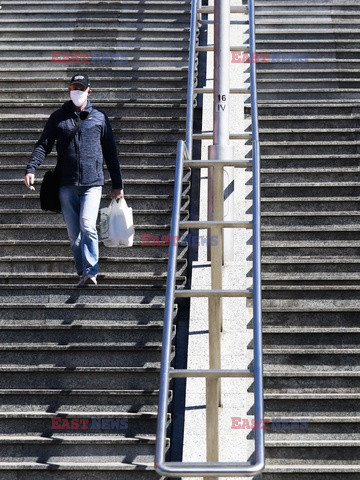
49, 190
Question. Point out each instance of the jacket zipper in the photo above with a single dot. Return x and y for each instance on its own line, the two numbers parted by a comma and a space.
80, 179
77, 154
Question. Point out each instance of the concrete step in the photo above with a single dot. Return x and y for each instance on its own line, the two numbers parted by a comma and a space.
332, 380
31, 128
314, 26
328, 471
335, 162
311, 74
111, 15
104, 8
317, 148
150, 143
298, 110
45, 377
310, 247
279, 341
132, 172
118, 4
146, 158
295, 55
126, 107
59, 232
314, 405
306, 319
305, 133
79, 401
54, 294
329, 174
317, 454
310, 304
325, 425
24, 201
66, 279
133, 186
176, 94
307, 3
56, 264
97, 423
289, 11
295, 262
308, 94
74, 312
312, 189
309, 218
133, 60
300, 207
84, 31
123, 43
65, 470
148, 246
78, 333
99, 76
311, 83
326, 21
92, 355
39, 217
95, 448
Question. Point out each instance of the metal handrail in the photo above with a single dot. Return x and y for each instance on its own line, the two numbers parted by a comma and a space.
257, 312
191, 77
184, 152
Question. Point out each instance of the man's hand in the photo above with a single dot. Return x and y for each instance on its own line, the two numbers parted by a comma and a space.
29, 180
117, 193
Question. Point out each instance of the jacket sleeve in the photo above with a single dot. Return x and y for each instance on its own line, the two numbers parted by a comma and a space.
110, 154
43, 146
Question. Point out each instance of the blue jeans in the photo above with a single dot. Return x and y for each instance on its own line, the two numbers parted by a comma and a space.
80, 207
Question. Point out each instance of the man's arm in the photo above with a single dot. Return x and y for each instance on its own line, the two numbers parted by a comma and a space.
42, 148
111, 157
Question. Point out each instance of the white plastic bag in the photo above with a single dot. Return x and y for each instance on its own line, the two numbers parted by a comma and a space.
116, 224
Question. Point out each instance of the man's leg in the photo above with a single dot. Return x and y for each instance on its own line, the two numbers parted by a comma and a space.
70, 205
89, 208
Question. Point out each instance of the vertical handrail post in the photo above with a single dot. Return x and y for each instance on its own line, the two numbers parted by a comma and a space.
221, 148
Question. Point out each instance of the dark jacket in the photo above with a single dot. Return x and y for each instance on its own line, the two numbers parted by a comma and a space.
82, 162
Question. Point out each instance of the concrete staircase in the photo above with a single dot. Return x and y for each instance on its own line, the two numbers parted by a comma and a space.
309, 122
84, 353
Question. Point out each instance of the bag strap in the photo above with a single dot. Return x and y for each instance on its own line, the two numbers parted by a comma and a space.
73, 132
72, 135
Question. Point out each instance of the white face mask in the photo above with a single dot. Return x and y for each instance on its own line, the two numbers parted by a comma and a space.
78, 97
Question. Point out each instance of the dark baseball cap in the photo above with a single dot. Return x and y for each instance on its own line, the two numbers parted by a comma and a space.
81, 78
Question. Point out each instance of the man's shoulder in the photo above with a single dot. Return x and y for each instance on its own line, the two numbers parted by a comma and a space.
99, 112
60, 113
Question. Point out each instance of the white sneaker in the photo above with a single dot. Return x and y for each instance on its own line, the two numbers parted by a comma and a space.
86, 280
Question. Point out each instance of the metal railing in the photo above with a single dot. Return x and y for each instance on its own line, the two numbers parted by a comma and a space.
183, 158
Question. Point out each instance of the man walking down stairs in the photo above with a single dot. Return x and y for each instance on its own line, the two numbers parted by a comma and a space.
80, 366
81, 153
309, 135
